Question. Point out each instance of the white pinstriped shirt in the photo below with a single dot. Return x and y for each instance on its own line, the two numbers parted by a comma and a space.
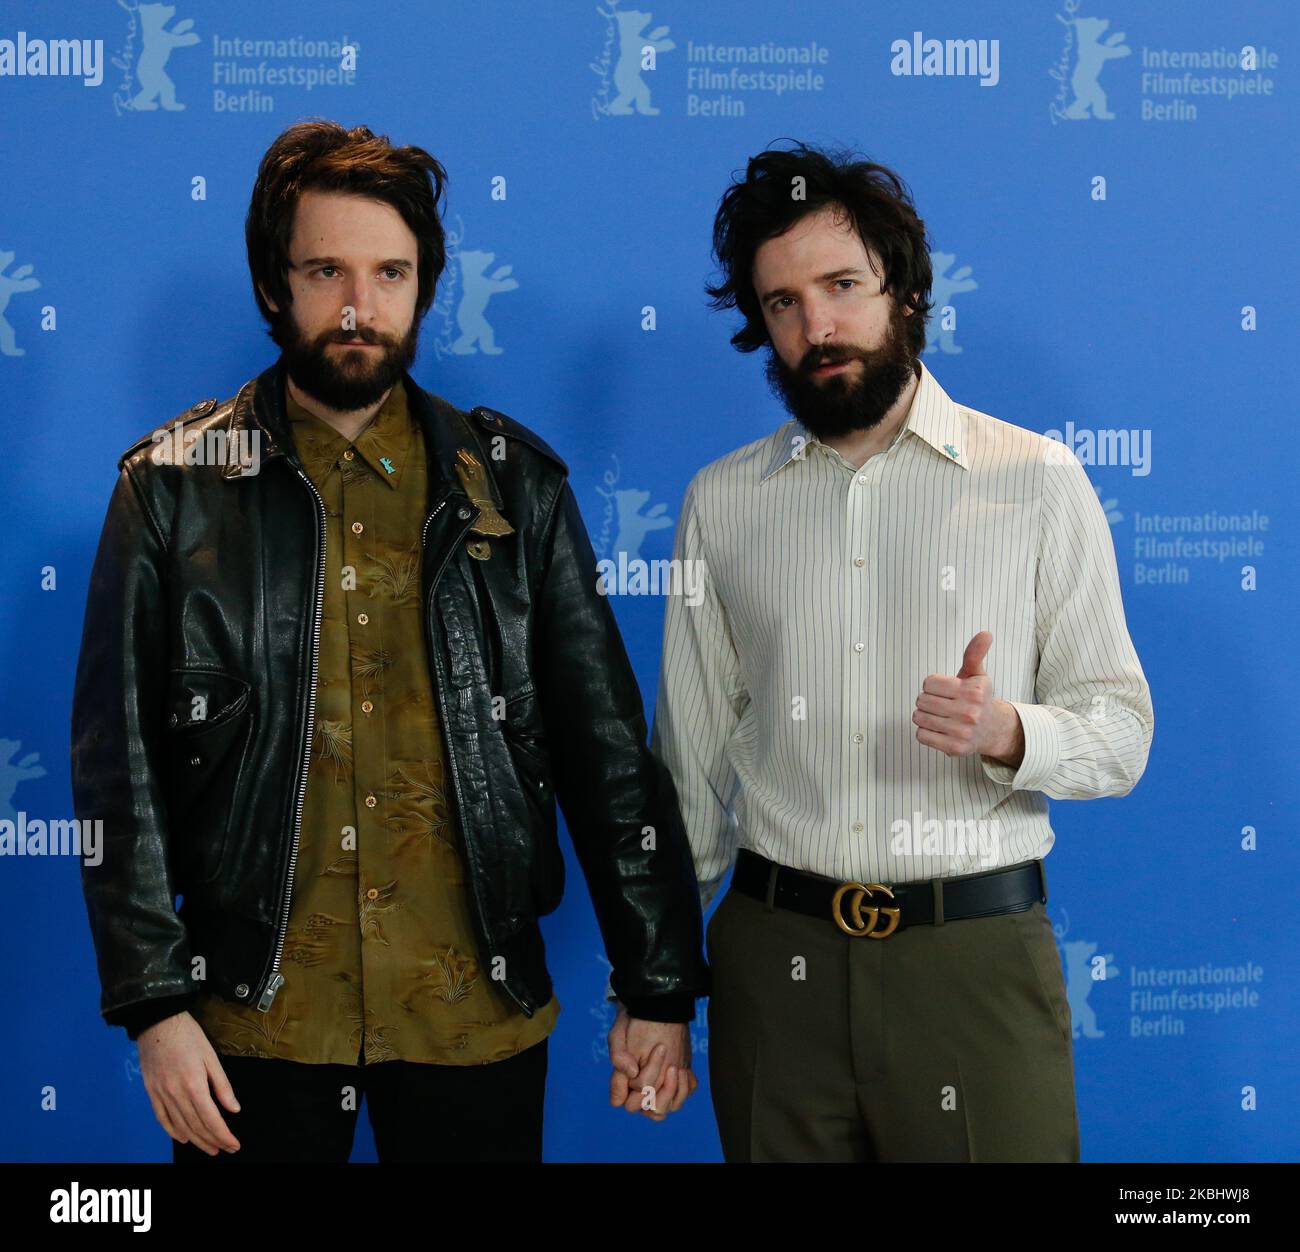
829, 595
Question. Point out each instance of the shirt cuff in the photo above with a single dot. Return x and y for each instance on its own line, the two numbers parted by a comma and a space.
1042, 751
137, 1018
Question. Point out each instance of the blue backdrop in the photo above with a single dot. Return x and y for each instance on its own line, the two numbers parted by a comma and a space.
1109, 185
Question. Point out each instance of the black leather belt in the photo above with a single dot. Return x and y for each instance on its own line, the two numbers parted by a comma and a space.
878, 910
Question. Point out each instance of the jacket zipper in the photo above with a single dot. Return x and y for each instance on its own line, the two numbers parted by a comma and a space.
442, 712
276, 979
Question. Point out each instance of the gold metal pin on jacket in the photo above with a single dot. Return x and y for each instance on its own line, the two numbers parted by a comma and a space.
473, 477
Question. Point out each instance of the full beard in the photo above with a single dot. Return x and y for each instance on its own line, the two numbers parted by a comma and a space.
840, 404
349, 379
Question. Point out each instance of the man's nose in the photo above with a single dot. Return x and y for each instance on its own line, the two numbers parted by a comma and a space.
358, 307
818, 325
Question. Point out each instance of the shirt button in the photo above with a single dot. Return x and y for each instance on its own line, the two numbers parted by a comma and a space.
348, 455
357, 528
857, 647
859, 560
857, 736
857, 826
363, 618
367, 706
862, 478
371, 802
373, 893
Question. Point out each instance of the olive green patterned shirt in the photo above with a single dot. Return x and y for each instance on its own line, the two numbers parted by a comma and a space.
381, 958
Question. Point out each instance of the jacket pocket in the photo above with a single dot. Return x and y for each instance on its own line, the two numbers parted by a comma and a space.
210, 730
532, 761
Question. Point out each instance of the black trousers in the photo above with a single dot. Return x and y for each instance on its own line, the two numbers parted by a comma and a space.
290, 1111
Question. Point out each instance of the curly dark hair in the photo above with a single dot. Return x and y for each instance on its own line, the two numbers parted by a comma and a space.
322, 155
761, 207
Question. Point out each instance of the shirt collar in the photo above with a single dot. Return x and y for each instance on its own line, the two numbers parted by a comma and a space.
933, 418
384, 444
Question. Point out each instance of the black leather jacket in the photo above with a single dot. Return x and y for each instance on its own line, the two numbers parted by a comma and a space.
209, 582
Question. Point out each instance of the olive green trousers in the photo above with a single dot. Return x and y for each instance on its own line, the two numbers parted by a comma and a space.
947, 1042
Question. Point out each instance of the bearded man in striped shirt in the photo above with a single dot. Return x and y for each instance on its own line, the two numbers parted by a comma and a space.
911, 636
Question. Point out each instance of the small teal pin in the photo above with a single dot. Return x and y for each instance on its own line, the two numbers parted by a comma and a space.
951, 451
387, 464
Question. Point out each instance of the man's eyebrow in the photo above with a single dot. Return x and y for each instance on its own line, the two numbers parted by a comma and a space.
847, 272
393, 262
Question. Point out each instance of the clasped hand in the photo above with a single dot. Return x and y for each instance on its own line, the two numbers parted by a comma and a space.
652, 1065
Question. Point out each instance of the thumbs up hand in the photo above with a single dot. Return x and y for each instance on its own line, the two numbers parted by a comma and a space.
958, 714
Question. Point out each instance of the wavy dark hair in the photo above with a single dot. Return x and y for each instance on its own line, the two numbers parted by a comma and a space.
761, 206
322, 155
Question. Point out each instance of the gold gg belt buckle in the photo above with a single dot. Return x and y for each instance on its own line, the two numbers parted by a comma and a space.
864, 921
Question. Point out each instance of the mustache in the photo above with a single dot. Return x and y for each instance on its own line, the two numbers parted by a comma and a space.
356, 336
829, 357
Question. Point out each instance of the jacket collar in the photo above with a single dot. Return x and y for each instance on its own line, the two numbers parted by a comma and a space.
933, 418
259, 406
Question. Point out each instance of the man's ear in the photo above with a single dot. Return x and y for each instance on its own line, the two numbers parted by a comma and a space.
269, 301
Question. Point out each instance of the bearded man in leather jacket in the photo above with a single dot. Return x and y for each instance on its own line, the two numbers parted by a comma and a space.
344, 649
